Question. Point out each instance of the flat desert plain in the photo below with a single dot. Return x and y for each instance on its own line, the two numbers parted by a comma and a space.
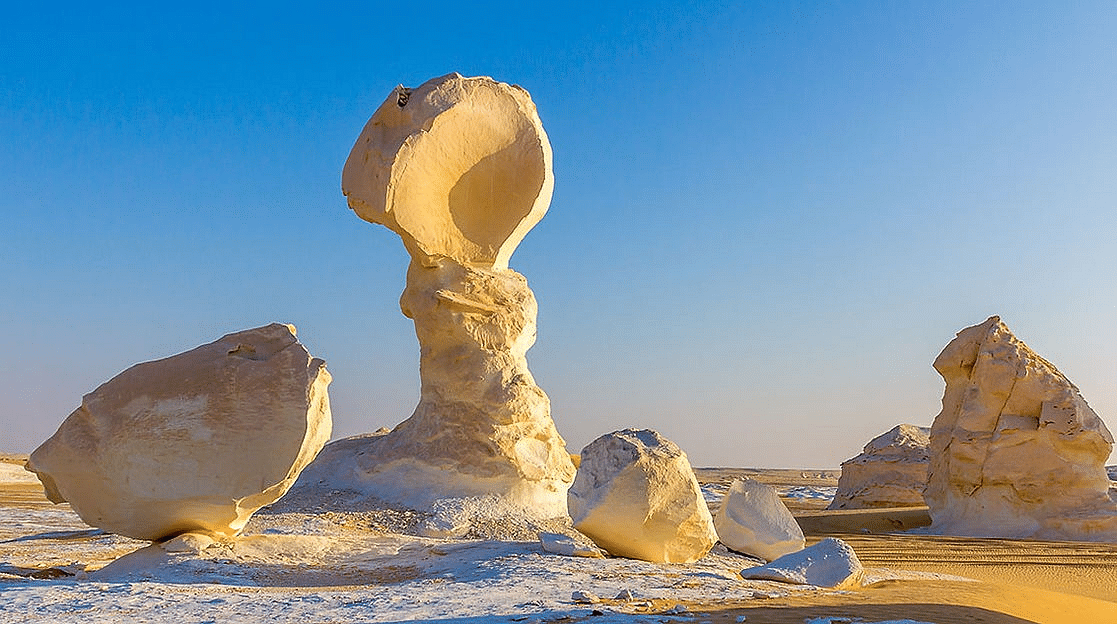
337, 566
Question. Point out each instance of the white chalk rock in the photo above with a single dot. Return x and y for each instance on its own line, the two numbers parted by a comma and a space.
891, 471
559, 544
192, 443
635, 495
1016, 451
830, 563
753, 520
458, 167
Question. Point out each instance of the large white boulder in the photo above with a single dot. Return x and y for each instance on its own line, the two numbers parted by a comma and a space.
830, 563
891, 471
460, 169
1016, 451
753, 520
192, 443
635, 495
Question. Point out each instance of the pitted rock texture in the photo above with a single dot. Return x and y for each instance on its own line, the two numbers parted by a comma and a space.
1016, 451
191, 443
891, 471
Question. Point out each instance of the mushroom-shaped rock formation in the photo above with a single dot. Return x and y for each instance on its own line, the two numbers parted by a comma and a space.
754, 520
191, 443
1016, 451
890, 472
636, 496
460, 168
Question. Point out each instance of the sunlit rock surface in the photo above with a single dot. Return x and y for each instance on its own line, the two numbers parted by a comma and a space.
1016, 451
460, 168
753, 520
891, 471
636, 496
192, 443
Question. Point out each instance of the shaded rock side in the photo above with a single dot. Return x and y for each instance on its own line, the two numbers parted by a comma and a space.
891, 471
1016, 451
635, 495
753, 520
191, 443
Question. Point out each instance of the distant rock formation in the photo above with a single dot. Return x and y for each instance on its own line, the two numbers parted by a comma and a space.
753, 520
1016, 451
460, 169
636, 496
890, 472
192, 443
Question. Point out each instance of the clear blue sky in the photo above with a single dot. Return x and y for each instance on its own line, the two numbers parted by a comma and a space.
769, 217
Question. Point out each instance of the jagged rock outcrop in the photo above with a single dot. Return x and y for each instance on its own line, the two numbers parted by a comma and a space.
636, 496
891, 471
191, 443
460, 168
753, 520
1016, 451
830, 563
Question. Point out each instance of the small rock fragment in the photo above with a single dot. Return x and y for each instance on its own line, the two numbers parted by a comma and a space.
568, 546
584, 597
624, 594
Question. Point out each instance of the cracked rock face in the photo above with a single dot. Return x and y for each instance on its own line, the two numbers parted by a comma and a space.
1016, 451
891, 471
195, 442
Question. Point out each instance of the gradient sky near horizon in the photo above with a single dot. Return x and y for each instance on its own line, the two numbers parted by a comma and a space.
768, 219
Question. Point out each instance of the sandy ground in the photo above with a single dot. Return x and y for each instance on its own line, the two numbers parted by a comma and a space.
334, 568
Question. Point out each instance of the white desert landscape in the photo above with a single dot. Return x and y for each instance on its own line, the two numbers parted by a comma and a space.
200, 487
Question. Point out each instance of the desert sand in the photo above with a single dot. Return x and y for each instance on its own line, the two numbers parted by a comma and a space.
334, 567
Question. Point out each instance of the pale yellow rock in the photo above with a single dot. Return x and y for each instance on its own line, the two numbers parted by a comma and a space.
458, 167
636, 496
1016, 451
191, 443
891, 471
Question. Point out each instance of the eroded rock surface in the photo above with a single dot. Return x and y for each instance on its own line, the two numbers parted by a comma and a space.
460, 168
636, 496
1016, 451
891, 471
753, 520
192, 443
